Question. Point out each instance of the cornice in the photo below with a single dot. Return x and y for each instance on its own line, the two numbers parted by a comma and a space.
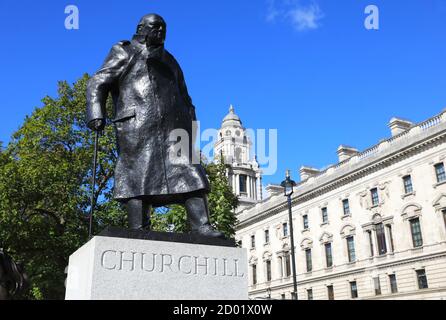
425, 140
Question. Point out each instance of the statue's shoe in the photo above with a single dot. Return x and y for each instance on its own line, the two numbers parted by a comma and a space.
208, 231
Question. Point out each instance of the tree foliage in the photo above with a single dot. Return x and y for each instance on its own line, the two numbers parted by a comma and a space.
45, 187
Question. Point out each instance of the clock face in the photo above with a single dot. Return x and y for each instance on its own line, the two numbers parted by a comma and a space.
237, 133
228, 133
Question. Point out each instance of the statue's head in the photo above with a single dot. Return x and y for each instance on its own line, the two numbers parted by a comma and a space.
153, 28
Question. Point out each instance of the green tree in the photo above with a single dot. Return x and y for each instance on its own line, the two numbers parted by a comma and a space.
45, 187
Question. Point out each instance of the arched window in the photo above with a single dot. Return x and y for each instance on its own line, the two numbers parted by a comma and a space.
379, 232
348, 233
306, 246
326, 241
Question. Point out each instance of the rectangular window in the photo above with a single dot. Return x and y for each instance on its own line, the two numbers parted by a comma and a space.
324, 215
346, 207
287, 265
375, 196
377, 286
242, 183
266, 236
371, 243
330, 291
285, 229
305, 220
422, 279
351, 249
253, 241
439, 170
354, 289
283, 296
381, 238
254, 274
268, 270
415, 228
393, 285
390, 233
308, 259
408, 187
310, 294
328, 255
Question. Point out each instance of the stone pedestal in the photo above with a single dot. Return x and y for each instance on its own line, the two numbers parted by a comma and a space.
125, 268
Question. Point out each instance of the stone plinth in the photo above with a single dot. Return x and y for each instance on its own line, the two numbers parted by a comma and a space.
113, 268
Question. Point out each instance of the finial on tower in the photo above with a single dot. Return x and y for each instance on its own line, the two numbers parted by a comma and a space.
231, 108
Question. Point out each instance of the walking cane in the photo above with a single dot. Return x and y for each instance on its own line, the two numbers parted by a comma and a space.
93, 184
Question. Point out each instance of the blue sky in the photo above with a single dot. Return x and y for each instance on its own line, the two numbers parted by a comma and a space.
307, 68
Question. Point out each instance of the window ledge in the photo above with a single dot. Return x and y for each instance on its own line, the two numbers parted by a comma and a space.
325, 224
404, 196
439, 184
346, 216
417, 249
284, 237
306, 230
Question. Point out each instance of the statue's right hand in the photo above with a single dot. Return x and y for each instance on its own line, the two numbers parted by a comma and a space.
97, 125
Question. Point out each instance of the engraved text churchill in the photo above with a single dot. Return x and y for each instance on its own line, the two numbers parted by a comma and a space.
162, 262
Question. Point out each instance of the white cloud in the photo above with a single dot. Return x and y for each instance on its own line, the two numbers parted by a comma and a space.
304, 18
272, 11
301, 16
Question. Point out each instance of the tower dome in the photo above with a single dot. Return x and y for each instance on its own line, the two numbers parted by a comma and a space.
231, 119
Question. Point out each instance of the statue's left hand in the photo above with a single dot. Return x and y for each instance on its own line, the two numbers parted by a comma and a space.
97, 125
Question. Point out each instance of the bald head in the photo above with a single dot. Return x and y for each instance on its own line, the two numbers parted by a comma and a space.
153, 28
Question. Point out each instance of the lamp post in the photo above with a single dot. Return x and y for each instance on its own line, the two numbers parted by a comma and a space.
288, 186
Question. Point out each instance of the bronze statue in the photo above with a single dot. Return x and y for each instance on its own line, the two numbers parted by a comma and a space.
150, 100
13, 279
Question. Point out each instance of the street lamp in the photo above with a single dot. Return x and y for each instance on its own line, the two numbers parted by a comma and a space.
288, 186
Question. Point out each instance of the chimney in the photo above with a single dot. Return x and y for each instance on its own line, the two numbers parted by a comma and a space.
273, 189
398, 125
346, 152
307, 172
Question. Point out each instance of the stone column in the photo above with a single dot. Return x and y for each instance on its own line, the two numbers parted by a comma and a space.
375, 242
281, 266
248, 186
259, 190
237, 184
255, 188
388, 240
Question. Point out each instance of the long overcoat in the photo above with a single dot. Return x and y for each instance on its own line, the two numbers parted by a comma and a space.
153, 119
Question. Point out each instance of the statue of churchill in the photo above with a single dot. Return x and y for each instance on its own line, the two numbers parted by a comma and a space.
150, 101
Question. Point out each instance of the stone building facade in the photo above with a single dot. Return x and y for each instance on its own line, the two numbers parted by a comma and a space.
373, 226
